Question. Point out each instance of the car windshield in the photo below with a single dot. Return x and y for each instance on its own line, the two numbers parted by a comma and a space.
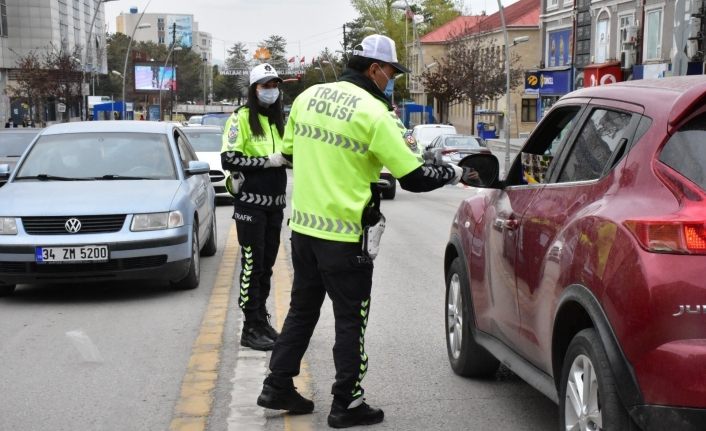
205, 141
214, 120
14, 144
196, 119
461, 142
101, 156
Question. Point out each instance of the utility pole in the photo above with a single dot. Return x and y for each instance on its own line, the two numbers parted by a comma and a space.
171, 87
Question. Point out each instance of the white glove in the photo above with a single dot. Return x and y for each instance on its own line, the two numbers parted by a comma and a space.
275, 160
458, 173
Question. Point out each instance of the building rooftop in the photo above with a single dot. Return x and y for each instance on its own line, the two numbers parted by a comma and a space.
524, 13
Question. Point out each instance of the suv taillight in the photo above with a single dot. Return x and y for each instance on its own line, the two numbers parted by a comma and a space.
670, 237
681, 233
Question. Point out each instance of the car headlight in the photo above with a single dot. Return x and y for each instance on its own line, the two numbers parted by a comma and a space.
156, 221
8, 226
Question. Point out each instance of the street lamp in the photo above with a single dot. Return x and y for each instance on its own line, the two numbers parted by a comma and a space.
335, 75
515, 41
85, 56
129, 45
323, 75
161, 76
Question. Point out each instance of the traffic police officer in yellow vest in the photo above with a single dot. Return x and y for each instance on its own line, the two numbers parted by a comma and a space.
339, 136
252, 141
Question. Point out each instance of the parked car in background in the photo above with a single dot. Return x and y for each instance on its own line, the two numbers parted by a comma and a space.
215, 119
194, 120
453, 148
425, 133
207, 142
106, 200
583, 269
13, 142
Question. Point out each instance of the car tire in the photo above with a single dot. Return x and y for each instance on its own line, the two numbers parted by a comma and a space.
390, 193
193, 277
211, 246
603, 408
467, 358
6, 289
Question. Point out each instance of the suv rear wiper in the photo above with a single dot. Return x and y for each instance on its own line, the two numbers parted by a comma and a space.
121, 177
47, 177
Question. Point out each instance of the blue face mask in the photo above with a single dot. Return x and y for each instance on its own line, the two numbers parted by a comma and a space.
389, 88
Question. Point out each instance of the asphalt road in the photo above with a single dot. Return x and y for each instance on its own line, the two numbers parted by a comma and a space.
115, 356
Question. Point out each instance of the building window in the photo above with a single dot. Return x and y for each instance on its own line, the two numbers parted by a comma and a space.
160, 24
624, 22
3, 18
653, 35
602, 36
529, 110
552, 4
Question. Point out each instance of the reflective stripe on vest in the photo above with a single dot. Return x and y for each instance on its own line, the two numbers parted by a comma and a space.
325, 224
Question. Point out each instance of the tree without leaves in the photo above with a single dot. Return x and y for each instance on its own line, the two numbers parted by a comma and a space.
472, 71
64, 76
32, 84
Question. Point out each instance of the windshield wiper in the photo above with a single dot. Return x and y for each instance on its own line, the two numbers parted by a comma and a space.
121, 177
47, 177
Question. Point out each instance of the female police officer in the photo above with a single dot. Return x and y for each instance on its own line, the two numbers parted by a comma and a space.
252, 141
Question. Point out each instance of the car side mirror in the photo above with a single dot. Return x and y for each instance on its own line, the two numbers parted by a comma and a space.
487, 167
197, 168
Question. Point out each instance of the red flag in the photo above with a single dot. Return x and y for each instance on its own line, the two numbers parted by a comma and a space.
408, 12
302, 60
291, 60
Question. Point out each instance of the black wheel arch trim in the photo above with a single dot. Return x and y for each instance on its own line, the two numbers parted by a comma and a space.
628, 388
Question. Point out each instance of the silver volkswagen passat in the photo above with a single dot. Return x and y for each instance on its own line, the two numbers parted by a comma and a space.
106, 200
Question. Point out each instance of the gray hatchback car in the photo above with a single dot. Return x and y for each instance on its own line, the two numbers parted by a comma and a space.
106, 200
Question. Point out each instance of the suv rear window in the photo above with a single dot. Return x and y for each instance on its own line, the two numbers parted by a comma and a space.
685, 152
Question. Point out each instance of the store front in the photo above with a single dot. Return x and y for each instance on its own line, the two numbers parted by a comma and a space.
602, 74
547, 86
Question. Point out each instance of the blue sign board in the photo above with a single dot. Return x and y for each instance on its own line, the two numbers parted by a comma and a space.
548, 82
559, 48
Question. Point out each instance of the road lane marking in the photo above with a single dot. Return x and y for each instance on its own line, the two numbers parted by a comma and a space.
283, 290
194, 406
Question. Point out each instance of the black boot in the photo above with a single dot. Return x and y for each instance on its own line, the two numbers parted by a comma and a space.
343, 417
255, 337
284, 399
268, 329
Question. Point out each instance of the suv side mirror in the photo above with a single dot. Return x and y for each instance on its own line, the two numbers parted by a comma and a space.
487, 167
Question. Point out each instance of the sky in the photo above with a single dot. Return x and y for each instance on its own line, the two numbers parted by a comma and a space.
309, 26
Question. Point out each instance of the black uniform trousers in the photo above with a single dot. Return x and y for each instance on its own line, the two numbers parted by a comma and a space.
258, 235
339, 269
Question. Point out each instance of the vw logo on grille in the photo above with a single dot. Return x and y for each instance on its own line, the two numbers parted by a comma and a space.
72, 225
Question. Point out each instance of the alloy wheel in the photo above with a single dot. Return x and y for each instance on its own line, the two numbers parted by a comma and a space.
582, 407
454, 316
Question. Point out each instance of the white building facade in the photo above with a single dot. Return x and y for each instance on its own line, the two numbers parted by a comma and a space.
42, 25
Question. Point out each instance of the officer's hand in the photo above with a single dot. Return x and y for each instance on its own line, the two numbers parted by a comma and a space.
470, 177
275, 160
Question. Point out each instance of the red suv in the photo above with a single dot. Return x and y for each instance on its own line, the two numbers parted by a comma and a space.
584, 270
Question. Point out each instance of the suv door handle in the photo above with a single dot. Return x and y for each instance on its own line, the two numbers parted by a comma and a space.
502, 223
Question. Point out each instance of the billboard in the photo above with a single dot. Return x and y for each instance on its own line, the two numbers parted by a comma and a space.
184, 28
149, 77
559, 48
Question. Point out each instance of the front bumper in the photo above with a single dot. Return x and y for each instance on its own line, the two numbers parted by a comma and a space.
157, 255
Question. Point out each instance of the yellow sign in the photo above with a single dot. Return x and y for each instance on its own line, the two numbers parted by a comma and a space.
262, 53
